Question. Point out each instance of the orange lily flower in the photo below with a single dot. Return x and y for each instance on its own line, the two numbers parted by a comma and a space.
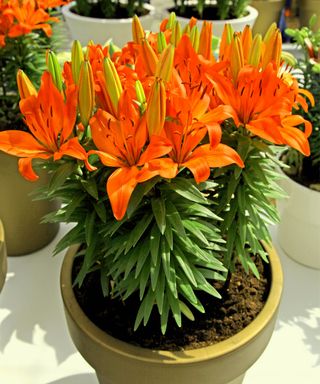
262, 104
122, 144
51, 121
187, 125
28, 17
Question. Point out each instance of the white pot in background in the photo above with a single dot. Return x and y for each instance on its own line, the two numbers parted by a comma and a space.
299, 228
84, 28
218, 25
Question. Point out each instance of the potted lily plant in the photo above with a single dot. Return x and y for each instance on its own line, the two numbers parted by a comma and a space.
299, 222
235, 12
25, 34
161, 155
105, 20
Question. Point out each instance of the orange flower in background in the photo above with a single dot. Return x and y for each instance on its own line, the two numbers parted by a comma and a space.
28, 17
50, 120
123, 144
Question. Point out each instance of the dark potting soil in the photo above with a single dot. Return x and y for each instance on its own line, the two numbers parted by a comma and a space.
242, 300
310, 175
209, 12
121, 12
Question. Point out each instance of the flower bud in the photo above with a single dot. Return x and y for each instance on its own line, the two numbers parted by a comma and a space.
236, 56
86, 92
54, 69
76, 60
150, 57
113, 83
176, 34
156, 108
161, 42
137, 30
255, 51
165, 63
141, 97
194, 38
25, 87
171, 21
205, 41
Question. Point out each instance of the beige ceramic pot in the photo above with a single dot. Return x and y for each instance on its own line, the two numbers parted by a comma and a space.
306, 9
224, 363
3, 257
21, 216
269, 12
299, 228
84, 28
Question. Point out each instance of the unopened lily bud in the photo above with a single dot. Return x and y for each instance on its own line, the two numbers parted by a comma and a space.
171, 21
194, 38
156, 107
236, 57
227, 33
161, 42
186, 30
205, 41
86, 92
25, 86
54, 69
288, 58
255, 51
141, 97
113, 83
246, 40
76, 60
176, 34
270, 32
273, 47
150, 57
165, 64
137, 30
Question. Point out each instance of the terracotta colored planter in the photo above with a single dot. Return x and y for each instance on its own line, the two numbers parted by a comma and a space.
3, 257
299, 228
100, 31
269, 12
224, 363
21, 216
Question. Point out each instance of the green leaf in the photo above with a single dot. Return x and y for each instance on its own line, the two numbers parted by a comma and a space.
73, 205
187, 189
90, 227
155, 244
144, 277
154, 274
139, 192
91, 187
160, 291
184, 264
242, 229
142, 257
164, 315
74, 236
60, 176
159, 211
169, 236
195, 209
137, 232
167, 267
185, 310
104, 281
150, 301
131, 260
140, 315
101, 211
175, 308
174, 218
187, 290
192, 227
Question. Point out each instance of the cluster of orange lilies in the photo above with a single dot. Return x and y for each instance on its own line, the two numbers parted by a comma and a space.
157, 106
20, 17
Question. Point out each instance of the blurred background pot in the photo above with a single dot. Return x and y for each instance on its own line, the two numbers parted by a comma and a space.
223, 363
84, 28
3, 257
269, 12
306, 9
21, 216
299, 228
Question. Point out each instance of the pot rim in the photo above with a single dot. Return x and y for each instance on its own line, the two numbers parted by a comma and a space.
3, 256
240, 340
253, 14
66, 11
297, 185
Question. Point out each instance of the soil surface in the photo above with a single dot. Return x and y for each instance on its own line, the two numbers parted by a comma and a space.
209, 13
310, 175
121, 12
242, 300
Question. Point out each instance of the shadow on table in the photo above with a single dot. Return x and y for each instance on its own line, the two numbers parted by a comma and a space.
85, 378
300, 305
31, 296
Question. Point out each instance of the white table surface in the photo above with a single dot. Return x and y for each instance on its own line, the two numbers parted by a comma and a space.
35, 347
